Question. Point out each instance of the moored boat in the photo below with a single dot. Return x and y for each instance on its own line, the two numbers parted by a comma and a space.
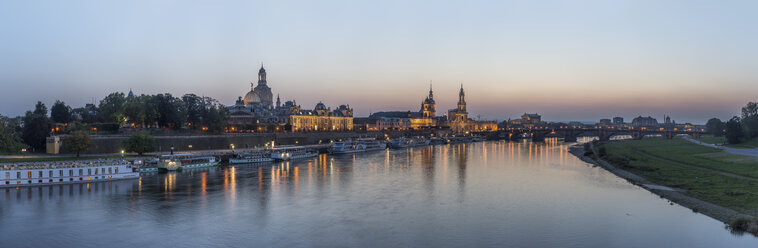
251, 157
292, 152
65, 172
359, 145
184, 161
409, 142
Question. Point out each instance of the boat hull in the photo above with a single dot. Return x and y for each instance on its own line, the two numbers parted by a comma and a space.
249, 160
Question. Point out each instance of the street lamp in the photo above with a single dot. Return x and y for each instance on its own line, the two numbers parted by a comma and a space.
172, 149
232, 145
122, 154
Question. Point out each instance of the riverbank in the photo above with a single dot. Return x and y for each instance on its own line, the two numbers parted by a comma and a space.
670, 191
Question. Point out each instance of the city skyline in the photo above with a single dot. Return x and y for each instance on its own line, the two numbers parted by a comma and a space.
563, 61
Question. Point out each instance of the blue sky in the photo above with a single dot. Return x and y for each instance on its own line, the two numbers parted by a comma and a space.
567, 60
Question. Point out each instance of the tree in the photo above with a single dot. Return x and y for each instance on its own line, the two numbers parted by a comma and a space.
60, 113
10, 140
36, 127
733, 130
171, 111
196, 110
112, 108
78, 142
715, 126
750, 119
134, 110
750, 109
215, 119
139, 142
40, 109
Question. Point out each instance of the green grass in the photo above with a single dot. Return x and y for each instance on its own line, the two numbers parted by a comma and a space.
710, 139
747, 144
660, 161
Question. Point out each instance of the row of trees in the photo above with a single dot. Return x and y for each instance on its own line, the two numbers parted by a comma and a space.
144, 111
738, 128
149, 111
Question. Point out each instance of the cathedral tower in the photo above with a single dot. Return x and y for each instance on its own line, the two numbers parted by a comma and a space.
428, 106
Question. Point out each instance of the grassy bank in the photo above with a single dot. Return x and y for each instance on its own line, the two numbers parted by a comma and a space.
704, 173
747, 144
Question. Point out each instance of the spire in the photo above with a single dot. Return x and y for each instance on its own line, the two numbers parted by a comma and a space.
278, 102
431, 93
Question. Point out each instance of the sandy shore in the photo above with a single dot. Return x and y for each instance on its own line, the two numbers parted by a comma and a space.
678, 196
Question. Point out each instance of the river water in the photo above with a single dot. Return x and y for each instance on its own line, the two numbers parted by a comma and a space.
485, 194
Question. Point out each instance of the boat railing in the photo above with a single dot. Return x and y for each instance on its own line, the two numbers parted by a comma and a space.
61, 164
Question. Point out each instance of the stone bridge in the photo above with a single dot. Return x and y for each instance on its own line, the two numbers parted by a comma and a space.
570, 134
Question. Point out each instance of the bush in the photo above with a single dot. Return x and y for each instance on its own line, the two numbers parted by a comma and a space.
140, 142
78, 142
742, 225
601, 152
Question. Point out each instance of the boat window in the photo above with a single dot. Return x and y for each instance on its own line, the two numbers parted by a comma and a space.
89, 171
80, 173
116, 170
29, 174
96, 171
40, 173
18, 175
110, 170
7, 175
71, 172
60, 173
50, 173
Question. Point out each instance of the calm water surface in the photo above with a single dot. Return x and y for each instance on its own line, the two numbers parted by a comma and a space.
487, 194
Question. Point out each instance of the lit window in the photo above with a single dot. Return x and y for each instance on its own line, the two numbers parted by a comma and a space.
29, 174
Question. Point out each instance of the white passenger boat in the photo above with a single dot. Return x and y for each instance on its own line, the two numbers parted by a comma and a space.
251, 157
184, 161
65, 172
359, 145
292, 152
409, 142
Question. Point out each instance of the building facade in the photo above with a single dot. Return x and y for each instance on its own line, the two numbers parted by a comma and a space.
644, 122
257, 111
323, 119
527, 121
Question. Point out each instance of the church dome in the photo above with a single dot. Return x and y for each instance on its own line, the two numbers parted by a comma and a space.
429, 101
252, 98
320, 106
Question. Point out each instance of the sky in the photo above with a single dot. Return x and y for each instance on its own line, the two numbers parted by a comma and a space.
566, 60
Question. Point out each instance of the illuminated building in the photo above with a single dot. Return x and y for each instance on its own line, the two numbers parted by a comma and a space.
323, 119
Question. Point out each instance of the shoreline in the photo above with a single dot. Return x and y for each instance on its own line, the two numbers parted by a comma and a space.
677, 196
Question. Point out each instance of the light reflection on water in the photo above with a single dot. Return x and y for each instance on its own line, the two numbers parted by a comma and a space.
477, 194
